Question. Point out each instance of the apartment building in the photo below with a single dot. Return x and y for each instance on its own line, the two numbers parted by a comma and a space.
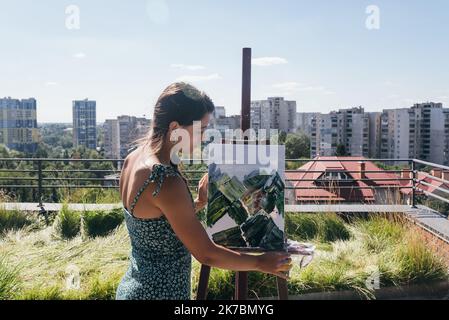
344, 131
274, 113
121, 134
84, 123
18, 124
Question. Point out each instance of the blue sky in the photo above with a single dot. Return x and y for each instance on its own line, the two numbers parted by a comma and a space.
319, 53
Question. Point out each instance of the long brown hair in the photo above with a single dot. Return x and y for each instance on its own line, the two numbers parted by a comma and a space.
179, 102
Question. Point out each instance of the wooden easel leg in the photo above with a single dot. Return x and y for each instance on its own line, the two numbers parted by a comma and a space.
203, 283
241, 285
282, 288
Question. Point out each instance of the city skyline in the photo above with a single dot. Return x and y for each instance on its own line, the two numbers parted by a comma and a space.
228, 114
320, 55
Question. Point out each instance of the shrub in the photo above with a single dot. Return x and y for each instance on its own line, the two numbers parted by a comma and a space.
101, 223
301, 226
13, 220
332, 229
67, 223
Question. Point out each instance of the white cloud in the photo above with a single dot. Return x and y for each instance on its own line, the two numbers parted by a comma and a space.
51, 84
291, 87
287, 86
195, 78
313, 88
394, 96
187, 67
79, 55
268, 61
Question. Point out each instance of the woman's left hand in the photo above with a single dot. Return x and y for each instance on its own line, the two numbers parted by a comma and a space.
203, 185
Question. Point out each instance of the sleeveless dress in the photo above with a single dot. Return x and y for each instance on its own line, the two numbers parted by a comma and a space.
160, 264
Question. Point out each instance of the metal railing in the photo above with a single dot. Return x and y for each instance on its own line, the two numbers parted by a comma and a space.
38, 174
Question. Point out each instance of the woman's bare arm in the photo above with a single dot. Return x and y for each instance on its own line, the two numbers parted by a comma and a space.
174, 202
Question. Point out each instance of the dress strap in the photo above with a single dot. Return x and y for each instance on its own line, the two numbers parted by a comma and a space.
158, 174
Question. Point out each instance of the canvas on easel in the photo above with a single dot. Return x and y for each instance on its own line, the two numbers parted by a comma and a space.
246, 196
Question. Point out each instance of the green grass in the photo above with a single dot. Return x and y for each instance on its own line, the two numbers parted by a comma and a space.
101, 223
67, 223
302, 226
326, 227
44, 263
13, 220
97, 288
411, 262
347, 255
332, 229
380, 233
9, 281
92, 195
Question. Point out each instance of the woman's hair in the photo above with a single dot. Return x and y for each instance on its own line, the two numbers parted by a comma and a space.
179, 102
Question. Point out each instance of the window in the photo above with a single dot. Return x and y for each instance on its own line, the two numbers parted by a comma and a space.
334, 175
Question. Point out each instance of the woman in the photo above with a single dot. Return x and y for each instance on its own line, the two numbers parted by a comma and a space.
160, 212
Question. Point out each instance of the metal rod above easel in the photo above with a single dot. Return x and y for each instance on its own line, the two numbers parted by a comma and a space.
246, 90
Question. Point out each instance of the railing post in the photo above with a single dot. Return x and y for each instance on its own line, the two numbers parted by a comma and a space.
413, 166
42, 210
39, 182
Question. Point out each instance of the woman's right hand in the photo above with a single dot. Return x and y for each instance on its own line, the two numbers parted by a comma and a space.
276, 263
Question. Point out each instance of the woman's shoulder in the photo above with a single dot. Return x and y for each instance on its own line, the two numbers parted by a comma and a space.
157, 173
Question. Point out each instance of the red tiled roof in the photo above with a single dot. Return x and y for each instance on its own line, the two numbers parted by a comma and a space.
422, 176
327, 193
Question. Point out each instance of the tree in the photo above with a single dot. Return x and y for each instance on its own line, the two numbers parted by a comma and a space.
282, 137
297, 146
341, 151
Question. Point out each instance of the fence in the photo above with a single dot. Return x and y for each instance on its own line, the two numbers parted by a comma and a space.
40, 174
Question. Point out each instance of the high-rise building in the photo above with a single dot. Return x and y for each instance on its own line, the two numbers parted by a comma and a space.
395, 134
222, 122
228, 123
112, 139
420, 132
344, 131
273, 113
429, 130
324, 137
18, 124
219, 112
304, 121
85, 123
122, 133
374, 134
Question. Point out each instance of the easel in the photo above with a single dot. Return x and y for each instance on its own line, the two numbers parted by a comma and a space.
241, 277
